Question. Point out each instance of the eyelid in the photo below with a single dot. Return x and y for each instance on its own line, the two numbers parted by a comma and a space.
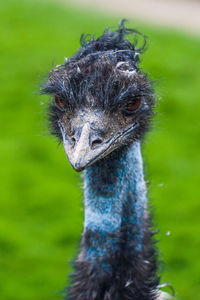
60, 108
128, 91
128, 99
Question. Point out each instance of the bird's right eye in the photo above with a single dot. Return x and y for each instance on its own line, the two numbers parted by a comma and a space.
59, 102
133, 105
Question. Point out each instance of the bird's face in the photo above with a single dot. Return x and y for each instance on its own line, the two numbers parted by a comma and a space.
92, 134
98, 108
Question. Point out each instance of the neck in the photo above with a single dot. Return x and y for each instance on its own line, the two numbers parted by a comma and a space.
116, 259
115, 200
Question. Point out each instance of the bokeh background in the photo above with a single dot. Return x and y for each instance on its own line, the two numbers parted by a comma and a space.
41, 211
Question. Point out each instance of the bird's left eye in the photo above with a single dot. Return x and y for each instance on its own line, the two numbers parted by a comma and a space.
132, 106
60, 103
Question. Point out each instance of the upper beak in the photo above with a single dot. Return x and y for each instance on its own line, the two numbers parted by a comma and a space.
87, 149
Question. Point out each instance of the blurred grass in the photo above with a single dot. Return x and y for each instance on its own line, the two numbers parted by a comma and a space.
40, 212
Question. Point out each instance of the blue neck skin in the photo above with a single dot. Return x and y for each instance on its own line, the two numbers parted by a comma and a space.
115, 198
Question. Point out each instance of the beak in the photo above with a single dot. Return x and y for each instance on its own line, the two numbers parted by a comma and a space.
89, 148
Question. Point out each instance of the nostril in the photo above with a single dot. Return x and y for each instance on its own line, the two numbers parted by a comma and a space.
73, 140
96, 142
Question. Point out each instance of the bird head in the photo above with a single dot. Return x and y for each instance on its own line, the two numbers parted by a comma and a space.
101, 101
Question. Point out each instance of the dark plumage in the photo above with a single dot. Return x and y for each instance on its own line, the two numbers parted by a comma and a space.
101, 108
104, 74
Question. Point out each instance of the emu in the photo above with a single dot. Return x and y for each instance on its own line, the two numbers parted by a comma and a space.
101, 107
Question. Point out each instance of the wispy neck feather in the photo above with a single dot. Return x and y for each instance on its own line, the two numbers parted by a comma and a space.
115, 198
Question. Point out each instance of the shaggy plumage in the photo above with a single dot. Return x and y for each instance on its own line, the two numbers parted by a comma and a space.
104, 74
101, 107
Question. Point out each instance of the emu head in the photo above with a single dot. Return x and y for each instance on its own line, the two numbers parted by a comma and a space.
101, 100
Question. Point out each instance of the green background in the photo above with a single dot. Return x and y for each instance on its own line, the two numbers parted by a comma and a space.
41, 214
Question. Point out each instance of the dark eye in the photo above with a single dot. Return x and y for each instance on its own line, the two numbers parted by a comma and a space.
60, 103
133, 105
